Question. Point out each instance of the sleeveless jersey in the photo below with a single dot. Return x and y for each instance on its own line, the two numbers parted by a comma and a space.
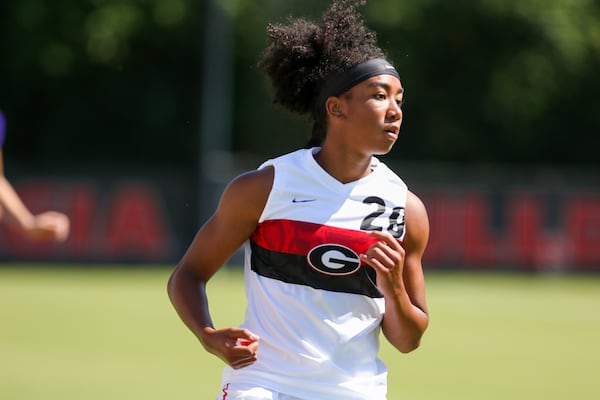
316, 309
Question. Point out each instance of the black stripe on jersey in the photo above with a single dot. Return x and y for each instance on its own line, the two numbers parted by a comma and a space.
295, 269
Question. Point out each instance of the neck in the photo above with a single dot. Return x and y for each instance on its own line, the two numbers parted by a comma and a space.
342, 165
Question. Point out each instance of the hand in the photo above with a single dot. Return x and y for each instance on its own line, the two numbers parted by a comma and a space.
386, 257
237, 347
49, 225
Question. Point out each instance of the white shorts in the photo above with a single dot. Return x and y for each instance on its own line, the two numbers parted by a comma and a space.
237, 391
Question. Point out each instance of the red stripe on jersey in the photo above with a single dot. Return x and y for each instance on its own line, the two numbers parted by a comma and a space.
299, 237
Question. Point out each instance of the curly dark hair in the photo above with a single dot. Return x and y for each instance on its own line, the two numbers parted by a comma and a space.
302, 54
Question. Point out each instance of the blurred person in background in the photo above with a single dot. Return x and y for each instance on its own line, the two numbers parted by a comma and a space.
333, 238
46, 226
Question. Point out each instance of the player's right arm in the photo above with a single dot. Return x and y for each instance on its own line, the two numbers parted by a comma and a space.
235, 219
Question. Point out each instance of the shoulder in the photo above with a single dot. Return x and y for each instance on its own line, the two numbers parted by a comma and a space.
417, 222
252, 184
246, 195
416, 205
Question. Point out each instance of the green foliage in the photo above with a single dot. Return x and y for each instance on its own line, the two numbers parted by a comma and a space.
90, 79
497, 80
487, 80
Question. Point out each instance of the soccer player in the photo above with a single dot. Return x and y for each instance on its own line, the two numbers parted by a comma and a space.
333, 238
48, 225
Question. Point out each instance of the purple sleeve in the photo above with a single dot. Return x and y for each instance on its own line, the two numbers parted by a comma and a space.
2, 129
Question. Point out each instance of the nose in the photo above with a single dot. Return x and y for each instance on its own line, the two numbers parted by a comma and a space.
394, 111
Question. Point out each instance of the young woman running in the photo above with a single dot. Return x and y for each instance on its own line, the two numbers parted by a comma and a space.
333, 238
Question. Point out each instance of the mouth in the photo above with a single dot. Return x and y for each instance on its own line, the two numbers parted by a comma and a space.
392, 131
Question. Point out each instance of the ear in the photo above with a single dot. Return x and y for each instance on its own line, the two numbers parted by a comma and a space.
334, 107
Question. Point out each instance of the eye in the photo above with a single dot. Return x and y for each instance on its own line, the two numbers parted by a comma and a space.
380, 96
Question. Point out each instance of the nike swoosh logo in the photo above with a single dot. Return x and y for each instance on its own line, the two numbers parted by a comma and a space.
295, 200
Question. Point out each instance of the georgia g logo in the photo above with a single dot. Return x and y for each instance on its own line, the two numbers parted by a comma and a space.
333, 259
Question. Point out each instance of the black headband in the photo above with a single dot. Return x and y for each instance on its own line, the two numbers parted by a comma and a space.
338, 84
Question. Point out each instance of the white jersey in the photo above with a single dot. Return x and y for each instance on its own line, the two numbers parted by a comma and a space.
316, 309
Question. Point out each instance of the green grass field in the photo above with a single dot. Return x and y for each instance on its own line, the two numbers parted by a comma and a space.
92, 333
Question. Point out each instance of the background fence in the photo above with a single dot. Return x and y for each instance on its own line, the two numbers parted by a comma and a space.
538, 219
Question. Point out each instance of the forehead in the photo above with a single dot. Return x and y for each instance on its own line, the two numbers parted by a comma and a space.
389, 83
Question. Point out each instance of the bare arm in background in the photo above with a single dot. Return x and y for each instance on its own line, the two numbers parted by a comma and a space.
49, 225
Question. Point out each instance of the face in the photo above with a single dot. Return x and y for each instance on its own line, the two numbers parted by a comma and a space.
373, 114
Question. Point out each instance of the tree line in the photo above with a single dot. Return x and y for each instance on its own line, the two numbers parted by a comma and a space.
487, 81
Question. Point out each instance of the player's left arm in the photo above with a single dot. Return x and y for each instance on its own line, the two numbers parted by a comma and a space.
400, 278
